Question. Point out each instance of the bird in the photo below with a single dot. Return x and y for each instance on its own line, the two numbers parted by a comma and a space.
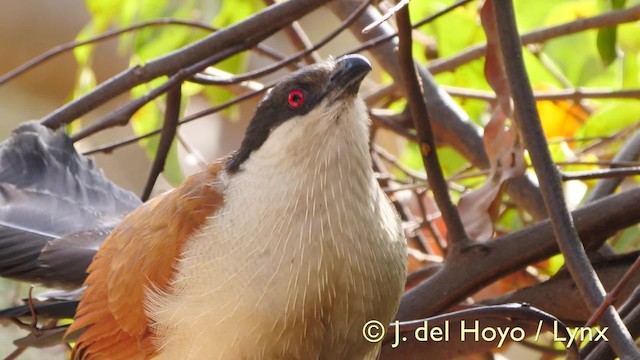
284, 249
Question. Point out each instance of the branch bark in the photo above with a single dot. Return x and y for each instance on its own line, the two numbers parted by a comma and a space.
629, 152
169, 130
468, 272
612, 18
248, 33
449, 121
416, 100
527, 117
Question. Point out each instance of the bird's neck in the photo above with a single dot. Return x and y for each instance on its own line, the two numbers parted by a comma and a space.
332, 162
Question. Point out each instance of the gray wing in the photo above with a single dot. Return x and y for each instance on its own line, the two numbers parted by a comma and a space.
55, 208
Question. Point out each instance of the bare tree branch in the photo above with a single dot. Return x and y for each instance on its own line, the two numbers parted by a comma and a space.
612, 18
455, 230
467, 272
242, 35
565, 94
600, 173
169, 129
449, 121
299, 39
261, 48
629, 152
295, 57
550, 183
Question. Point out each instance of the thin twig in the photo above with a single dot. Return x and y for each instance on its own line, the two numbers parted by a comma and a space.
611, 163
60, 49
626, 169
409, 186
527, 117
602, 141
397, 164
550, 66
110, 147
564, 94
611, 18
124, 113
394, 9
600, 350
242, 35
455, 230
387, 122
630, 151
32, 310
169, 129
191, 151
600, 173
426, 221
382, 39
613, 294
211, 76
17, 352
298, 32
299, 39
293, 58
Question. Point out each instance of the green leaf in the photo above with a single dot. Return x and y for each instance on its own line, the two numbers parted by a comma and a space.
83, 53
607, 38
464, 20
611, 117
85, 83
105, 12
631, 71
554, 264
627, 240
607, 45
231, 12
618, 4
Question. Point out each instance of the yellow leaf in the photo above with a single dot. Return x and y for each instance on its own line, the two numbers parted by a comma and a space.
560, 118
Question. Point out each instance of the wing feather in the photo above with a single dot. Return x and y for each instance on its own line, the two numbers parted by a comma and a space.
140, 254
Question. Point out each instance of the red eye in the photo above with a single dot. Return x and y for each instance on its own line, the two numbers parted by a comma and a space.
295, 98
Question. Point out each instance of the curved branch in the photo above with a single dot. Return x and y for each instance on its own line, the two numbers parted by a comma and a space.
246, 33
116, 32
456, 233
527, 118
169, 130
449, 121
468, 272
290, 59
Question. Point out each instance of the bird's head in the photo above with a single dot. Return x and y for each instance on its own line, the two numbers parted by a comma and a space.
312, 106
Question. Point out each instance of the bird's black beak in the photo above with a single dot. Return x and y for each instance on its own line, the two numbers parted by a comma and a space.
348, 74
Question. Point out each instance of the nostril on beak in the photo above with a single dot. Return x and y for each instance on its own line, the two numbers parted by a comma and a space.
349, 70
